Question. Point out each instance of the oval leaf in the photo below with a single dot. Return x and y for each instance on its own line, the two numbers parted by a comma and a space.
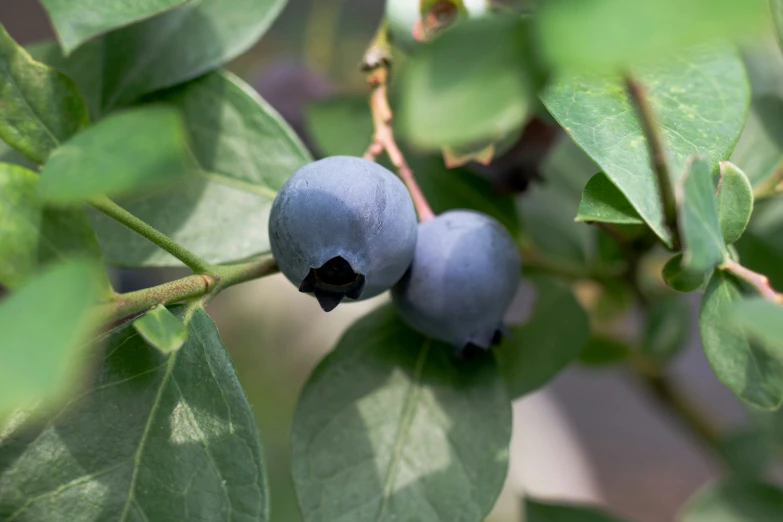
747, 367
666, 329
537, 511
391, 427
133, 151
611, 34
446, 98
43, 324
735, 202
762, 319
244, 152
76, 23
154, 437
33, 235
41, 107
734, 500
603, 202
161, 329
703, 90
700, 229
680, 278
540, 349
180, 45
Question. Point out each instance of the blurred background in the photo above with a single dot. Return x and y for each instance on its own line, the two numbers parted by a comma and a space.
590, 435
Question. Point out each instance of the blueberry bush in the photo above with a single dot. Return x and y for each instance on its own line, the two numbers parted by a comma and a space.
597, 156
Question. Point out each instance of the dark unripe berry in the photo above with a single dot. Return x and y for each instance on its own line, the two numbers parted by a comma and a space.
464, 275
343, 227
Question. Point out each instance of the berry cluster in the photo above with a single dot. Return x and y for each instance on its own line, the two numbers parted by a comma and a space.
345, 227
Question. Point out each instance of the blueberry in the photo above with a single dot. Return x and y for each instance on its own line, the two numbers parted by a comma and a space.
343, 227
465, 272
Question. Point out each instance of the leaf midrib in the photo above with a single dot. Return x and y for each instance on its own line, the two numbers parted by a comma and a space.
408, 412
145, 434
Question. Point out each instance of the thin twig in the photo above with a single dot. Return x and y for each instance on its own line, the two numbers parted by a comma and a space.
657, 154
771, 186
759, 281
377, 64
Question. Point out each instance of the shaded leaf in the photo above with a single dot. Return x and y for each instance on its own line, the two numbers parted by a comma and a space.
681, 278
552, 338
153, 437
243, 151
446, 99
761, 246
747, 367
666, 329
776, 7
747, 452
602, 351
162, 329
612, 34
759, 151
700, 228
734, 500
140, 149
340, 126
735, 202
762, 320
548, 209
37, 360
603, 202
411, 435
197, 38
700, 100
538, 511
33, 235
75, 22
41, 107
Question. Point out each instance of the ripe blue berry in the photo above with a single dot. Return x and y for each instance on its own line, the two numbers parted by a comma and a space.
465, 272
343, 227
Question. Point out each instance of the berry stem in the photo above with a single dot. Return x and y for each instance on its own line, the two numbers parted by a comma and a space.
188, 288
114, 211
377, 64
760, 281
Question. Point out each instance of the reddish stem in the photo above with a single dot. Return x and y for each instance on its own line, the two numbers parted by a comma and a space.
760, 281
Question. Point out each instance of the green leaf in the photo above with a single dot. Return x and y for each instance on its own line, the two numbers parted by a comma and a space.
43, 324
747, 367
700, 228
197, 38
446, 98
153, 437
76, 22
162, 329
666, 329
762, 320
747, 452
700, 101
603, 202
537, 511
343, 126
735, 202
34, 235
734, 500
340, 126
244, 152
776, 7
612, 34
759, 151
548, 209
550, 340
761, 246
80, 66
391, 427
682, 278
130, 152
601, 351
41, 107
